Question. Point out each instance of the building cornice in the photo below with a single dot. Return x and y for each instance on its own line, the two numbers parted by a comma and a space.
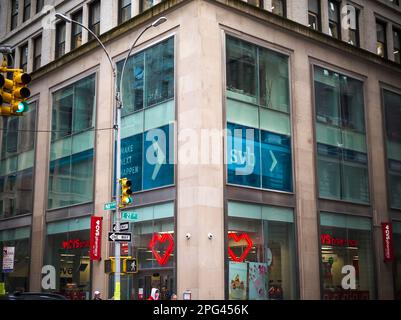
236, 5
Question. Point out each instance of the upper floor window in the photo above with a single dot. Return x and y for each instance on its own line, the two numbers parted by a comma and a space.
27, 9
124, 12
37, 54
76, 36
314, 14
39, 5
94, 18
279, 7
14, 14
396, 2
17, 161
342, 161
60, 39
353, 26
397, 45
24, 57
392, 111
334, 19
381, 45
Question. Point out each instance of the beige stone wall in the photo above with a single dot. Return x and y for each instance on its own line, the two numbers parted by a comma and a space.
199, 28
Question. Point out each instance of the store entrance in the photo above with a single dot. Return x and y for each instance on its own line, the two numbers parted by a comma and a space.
145, 280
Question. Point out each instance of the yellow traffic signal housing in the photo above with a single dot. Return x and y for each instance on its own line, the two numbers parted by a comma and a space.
110, 265
13, 93
126, 192
20, 92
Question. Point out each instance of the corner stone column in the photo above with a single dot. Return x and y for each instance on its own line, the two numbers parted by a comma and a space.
41, 168
376, 140
200, 207
305, 179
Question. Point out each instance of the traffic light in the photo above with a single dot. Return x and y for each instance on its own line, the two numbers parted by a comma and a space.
130, 265
13, 93
126, 192
20, 92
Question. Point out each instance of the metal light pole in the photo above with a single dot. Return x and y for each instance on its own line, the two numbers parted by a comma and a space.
118, 105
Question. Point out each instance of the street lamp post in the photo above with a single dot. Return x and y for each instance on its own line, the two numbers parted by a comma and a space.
117, 105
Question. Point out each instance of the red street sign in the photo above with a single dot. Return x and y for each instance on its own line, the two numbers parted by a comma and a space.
387, 230
124, 248
95, 237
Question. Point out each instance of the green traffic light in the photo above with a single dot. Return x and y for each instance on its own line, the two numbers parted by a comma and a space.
22, 107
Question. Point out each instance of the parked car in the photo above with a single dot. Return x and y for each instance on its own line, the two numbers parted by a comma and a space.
32, 296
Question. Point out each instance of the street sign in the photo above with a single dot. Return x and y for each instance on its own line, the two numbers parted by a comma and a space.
110, 205
118, 236
124, 226
129, 215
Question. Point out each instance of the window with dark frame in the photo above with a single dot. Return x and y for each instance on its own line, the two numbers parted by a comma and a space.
10, 64
353, 34
14, 14
37, 54
314, 19
396, 2
76, 32
381, 45
397, 45
39, 5
27, 10
60, 39
94, 18
124, 12
279, 7
334, 19
24, 57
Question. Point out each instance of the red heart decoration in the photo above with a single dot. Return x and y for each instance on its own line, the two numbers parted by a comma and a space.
237, 239
162, 238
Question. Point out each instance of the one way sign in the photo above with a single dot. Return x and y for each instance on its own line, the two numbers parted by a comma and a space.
119, 236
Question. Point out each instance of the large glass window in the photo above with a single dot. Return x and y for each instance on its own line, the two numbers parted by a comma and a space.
258, 117
15, 248
346, 257
67, 250
341, 138
71, 154
392, 109
39, 5
261, 254
147, 145
397, 257
17, 161
153, 246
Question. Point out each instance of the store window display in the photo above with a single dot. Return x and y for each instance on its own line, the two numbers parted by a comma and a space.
261, 253
15, 248
67, 249
346, 257
153, 246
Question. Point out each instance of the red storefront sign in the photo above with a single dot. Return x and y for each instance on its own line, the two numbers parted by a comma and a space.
387, 231
327, 239
75, 244
161, 238
236, 238
95, 237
